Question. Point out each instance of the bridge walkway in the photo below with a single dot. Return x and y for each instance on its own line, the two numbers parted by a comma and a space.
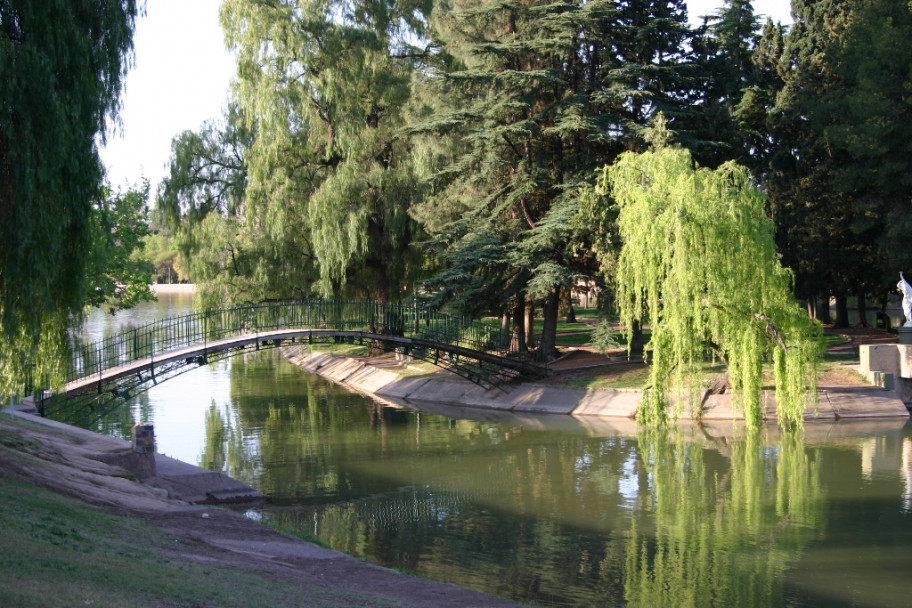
115, 369
199, 353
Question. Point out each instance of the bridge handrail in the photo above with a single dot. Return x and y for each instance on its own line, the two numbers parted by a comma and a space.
155, 337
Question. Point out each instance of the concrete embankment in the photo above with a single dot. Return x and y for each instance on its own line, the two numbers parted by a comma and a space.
179, 480
391, 382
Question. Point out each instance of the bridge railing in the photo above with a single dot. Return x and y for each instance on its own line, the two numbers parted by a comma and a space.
198, 329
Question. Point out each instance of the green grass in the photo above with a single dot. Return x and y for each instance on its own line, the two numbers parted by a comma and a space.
573, 339
838, 357
562, 326
58, 552
636, 378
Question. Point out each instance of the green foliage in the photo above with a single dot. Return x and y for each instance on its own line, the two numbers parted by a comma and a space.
206, 171
117, 276
724, 48
322, 86
167, 263
604, 337
825, 237
522, 104
62, 65
699, 264
840, 169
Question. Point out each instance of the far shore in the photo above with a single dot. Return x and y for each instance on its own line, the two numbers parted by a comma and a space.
158, 288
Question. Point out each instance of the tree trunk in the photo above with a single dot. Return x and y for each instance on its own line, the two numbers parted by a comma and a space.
637, 342
842, 310
823, 309
550, 312
862, 310
530, 324
505, 331
519, 326
566, 302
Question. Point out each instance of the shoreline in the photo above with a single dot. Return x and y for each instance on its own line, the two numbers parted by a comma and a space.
88, 466
388, 382
169, 288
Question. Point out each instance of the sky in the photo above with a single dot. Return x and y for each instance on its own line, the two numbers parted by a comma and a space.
181, 77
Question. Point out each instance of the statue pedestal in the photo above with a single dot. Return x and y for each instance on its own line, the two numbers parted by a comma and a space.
905, 335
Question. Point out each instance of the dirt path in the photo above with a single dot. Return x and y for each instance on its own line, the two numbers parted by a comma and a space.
75, 465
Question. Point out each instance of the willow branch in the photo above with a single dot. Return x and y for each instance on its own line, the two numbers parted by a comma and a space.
770, 326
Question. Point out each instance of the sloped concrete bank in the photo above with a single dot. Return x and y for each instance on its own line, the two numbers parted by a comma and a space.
177, 479
392, 383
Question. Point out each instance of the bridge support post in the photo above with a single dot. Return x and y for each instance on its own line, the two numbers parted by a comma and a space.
143, 443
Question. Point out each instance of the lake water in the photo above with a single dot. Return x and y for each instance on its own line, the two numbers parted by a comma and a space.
558, 511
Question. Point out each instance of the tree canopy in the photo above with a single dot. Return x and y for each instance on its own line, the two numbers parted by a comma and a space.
117, 276
839, 173
447, 149
322, 86
699, 265
525, 102
62, 66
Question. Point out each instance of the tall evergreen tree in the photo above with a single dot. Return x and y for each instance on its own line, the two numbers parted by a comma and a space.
842, 121
752, 112
869, 118
531, 98
724, 49
62, 66
646, 68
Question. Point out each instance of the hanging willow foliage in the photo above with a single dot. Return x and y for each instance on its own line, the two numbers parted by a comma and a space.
699, 265
62, 66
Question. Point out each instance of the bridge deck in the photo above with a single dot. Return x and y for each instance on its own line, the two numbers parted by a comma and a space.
138, 366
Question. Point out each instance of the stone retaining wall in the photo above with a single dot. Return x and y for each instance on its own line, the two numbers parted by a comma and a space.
432, 389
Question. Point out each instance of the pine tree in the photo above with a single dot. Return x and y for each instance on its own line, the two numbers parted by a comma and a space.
841, 121
870, 119
529, 99
724, 49
752, 112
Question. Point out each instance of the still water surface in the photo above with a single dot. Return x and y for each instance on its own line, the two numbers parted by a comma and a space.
557, 511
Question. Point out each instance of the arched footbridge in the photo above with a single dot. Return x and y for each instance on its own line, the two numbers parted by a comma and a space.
105, 373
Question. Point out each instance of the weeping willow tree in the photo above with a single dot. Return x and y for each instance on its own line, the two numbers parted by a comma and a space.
322, 85
699, 264
62, 65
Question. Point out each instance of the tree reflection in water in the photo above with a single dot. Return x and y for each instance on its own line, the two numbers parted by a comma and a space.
716, 537
562, 517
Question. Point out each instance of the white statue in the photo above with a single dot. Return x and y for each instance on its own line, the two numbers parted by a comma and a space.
906, 290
